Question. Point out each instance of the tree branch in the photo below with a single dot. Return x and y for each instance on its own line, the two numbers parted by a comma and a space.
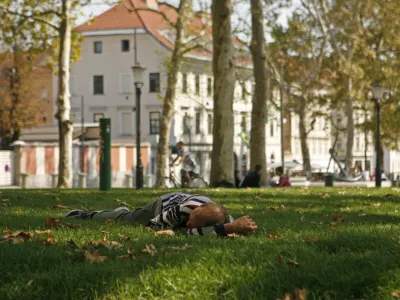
33, 17
165, 17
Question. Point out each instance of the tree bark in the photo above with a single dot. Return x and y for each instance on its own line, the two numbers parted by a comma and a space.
259, 109
350, 125
224, 84
174, 66
303, 138
63, 101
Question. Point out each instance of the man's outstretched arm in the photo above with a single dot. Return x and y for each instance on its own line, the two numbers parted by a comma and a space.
244, 226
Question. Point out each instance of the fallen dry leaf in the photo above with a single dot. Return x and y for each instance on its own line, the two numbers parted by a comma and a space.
72, 226
337, 218
180, 248
48, 231
376, 204
287, 296
126, 256
17, 237
29, 282
7, 231
104, 243
273, 235
301, 294
124, 237
5, 200
249, 207
395, 294
282, 206
325, 196
95, 257
150, 249
293, 263
51, 222
49, 241
60, 206
164, 233
123, 203
56, 198
114, 244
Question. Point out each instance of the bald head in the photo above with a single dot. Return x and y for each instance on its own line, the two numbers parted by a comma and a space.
207, 215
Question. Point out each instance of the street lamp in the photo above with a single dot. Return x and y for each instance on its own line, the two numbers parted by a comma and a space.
377, 93
138, 77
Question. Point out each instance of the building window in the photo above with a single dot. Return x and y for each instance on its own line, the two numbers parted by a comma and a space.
186, 124
126, 84
125, 46
184, 83
197, 82
210, 123
126, 123
209, 87
98, 85
98, 47
155, 122
358, 144
97, 117
198, 118
271, 128
154, 82
243, 91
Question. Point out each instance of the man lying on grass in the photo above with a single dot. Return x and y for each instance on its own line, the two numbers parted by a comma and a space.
198, 213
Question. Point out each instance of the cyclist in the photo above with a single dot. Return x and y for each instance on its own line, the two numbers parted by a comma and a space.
188, 163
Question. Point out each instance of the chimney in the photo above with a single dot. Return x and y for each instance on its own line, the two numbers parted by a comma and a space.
153, 4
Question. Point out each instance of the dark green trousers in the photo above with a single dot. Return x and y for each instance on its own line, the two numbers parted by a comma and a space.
138, 216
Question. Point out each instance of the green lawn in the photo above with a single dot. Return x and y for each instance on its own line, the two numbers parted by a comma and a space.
300, 244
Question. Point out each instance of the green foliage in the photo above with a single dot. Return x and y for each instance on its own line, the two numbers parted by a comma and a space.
36, 24
354, 258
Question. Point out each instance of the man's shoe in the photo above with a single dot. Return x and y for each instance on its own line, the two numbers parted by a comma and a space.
79, 214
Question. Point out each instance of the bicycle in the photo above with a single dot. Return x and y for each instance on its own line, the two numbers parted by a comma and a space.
196, 181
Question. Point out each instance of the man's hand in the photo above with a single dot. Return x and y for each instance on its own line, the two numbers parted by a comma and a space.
244, 225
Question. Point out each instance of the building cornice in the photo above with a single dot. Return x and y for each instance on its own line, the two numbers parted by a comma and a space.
114, 32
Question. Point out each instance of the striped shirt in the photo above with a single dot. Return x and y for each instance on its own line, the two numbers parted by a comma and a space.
175, 210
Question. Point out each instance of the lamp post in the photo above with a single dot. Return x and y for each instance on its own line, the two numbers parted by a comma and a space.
138, 77
377, 93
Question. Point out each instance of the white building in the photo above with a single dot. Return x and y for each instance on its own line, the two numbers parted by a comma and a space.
103, 76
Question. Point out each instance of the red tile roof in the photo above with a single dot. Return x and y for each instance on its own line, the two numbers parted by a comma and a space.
120, 17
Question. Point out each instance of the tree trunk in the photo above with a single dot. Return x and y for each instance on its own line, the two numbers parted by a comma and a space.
303, 138
350, 126
174, 66
259, 109
224, 84
63, 101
